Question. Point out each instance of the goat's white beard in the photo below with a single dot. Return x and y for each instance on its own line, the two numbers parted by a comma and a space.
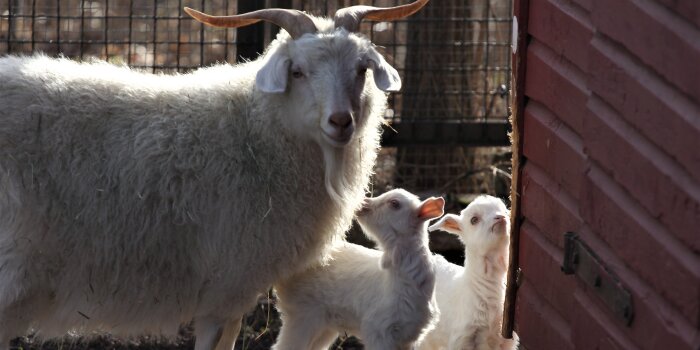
335, 178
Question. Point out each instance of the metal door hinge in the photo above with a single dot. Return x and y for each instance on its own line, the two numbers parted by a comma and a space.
580, 260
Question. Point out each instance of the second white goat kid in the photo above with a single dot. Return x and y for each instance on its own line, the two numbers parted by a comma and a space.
471, 297
386, 298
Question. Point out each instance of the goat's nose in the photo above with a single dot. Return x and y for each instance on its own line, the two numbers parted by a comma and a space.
340, 120
500, 218
365, 207
339, 127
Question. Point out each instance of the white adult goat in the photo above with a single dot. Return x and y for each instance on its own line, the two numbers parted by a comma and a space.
134, 203
384, 297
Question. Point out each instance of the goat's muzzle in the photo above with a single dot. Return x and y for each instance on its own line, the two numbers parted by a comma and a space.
339, 128
499, 225
365, 209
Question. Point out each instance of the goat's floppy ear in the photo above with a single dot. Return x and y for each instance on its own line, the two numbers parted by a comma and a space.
385, 76
431, 208
449, 223
272, 77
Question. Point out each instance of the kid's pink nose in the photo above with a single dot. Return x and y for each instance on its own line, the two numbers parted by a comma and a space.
365, 207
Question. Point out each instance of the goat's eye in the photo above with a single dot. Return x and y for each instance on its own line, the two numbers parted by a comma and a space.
474, 220
361, 71
297, 74
395, 204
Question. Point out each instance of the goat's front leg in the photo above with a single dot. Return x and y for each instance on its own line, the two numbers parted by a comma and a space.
466, 340
376, 340
208, 332
309, 332
228, 338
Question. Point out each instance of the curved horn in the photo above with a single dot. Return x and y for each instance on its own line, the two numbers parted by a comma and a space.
351, 17
296, 23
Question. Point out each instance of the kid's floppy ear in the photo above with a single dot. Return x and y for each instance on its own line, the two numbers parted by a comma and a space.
431, 208
449, 223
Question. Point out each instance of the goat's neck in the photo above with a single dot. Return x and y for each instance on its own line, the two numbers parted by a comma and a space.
484, 276
486, 267
411, 263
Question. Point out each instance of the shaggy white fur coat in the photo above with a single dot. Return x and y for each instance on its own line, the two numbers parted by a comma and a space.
134, 203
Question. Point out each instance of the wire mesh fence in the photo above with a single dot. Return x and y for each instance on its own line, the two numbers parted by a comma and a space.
151, 35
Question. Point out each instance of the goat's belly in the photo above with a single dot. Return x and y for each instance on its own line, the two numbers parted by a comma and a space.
119, 324
121, 307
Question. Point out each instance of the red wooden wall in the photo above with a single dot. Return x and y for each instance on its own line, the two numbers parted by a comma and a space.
610, 150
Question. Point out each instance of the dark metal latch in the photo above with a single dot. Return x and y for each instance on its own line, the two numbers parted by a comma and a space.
580, 260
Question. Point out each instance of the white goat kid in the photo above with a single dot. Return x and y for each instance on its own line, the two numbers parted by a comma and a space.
386, 298
134, 203
471, 297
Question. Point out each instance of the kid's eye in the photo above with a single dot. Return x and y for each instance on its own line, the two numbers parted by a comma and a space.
361, 71
395, 204
474, 220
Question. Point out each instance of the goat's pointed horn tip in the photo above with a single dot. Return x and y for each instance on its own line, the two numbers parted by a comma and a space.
193, 13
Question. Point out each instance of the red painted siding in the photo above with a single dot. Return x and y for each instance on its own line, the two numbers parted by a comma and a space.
641, 242
549, 77
551, 285
661, 113
554, 147
547, 206
574, 30
690, 9
610, 150
656, 182
656, 35
594, 328
536, 316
